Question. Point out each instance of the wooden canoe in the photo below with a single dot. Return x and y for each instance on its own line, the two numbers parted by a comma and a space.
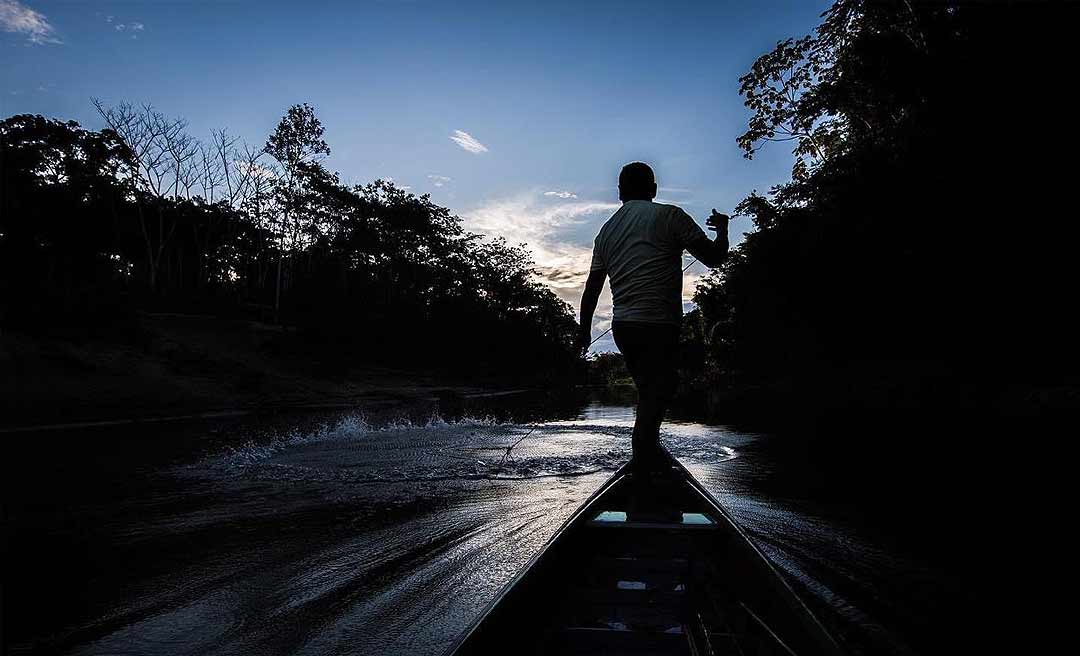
648, 565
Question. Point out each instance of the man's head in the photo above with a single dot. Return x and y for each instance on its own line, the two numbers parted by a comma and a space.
637, 182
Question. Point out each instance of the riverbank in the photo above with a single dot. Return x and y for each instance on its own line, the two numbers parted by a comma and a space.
183, 366
873, 390
164, 366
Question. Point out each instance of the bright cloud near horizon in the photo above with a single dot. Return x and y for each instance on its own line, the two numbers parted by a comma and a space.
545, 226
546, 223
514, 118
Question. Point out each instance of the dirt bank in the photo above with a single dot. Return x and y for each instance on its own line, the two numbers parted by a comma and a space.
177, 365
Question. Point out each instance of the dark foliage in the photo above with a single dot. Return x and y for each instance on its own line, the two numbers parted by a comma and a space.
925, 230
608, 369
98, 225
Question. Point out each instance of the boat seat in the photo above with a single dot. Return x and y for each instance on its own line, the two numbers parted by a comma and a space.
645, 618
636, 575
646, 519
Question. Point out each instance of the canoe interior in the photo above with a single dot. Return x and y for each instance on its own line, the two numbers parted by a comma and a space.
649, 565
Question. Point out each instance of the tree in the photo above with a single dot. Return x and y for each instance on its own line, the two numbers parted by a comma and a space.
297, 145
163, 153
918, 134
375, 273
64, 246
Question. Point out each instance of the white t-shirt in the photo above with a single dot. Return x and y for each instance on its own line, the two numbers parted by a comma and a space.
641, 247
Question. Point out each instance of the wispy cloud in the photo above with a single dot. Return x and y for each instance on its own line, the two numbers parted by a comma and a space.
468, 142
561, 194
20, 19
133, 28
439, 180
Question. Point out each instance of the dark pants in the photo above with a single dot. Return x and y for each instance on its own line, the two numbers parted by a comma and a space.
652, 353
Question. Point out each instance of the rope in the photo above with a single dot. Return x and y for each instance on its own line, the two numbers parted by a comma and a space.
519, 441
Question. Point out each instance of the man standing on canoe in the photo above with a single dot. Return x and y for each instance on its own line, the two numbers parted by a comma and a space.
640, 247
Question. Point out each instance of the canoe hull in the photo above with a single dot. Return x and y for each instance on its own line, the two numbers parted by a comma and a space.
648, 564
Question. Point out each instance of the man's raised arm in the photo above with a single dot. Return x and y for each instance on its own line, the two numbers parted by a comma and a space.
589, 297
711, 252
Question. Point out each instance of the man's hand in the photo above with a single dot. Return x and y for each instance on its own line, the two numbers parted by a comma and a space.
712, 252
584, 336
718, 222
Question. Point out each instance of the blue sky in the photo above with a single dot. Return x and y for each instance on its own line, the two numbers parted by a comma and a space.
515, 115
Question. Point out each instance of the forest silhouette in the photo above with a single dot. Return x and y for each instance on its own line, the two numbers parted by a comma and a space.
920, 255
142, 216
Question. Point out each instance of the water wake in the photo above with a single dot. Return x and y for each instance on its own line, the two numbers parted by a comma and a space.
351, 450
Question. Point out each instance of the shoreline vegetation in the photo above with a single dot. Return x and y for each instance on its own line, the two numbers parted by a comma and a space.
183, 366
143, 272
918, 259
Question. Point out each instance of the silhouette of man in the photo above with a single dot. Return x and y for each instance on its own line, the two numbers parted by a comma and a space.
641, 248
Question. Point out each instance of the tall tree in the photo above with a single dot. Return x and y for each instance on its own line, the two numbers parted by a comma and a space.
298, 146
164, 156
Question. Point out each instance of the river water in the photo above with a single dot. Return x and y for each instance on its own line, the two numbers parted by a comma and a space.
343, 533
